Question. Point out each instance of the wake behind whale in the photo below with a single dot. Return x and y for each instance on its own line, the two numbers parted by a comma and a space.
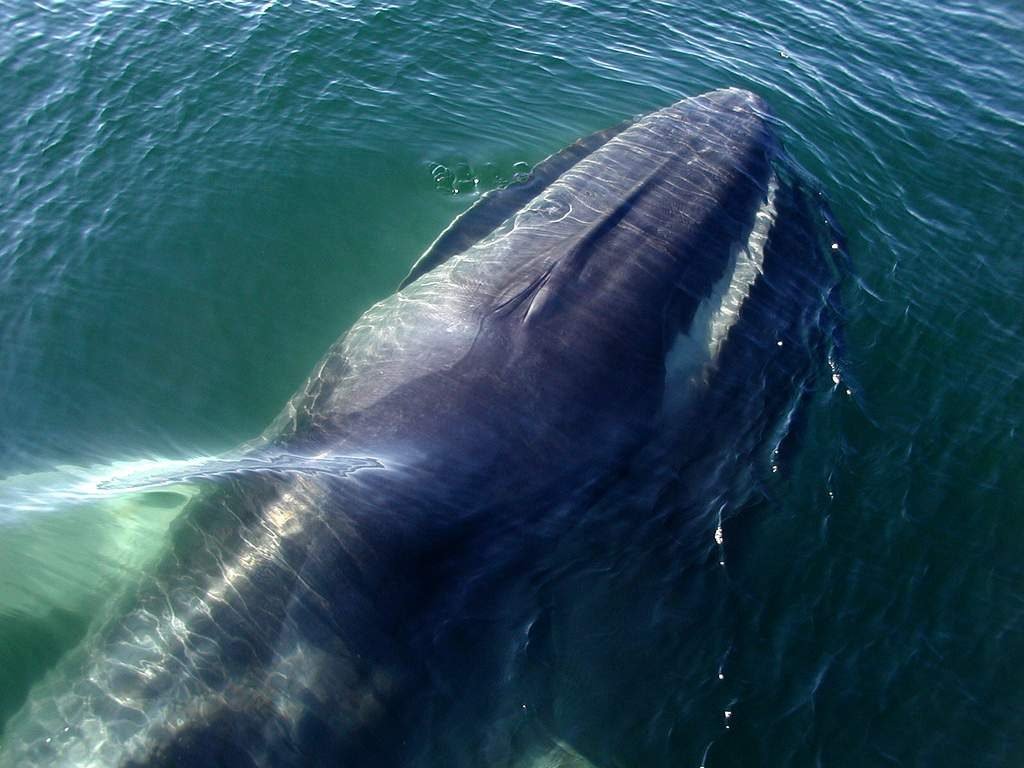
579, 377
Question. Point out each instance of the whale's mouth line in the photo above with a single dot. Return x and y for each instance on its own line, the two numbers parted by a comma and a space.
695, 350
746, 264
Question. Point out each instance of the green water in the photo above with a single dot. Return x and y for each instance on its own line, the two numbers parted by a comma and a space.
197, 199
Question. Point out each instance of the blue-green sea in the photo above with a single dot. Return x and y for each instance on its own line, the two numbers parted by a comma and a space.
198, 198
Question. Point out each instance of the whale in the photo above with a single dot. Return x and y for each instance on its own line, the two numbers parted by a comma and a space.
594, 361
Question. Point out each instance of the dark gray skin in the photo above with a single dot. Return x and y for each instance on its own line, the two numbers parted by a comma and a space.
332, 617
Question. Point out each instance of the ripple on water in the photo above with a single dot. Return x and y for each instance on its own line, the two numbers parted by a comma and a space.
196, 199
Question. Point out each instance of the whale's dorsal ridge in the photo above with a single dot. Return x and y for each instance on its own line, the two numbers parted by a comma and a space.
493, 208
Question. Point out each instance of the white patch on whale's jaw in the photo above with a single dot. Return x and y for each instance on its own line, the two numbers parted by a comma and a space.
694, 354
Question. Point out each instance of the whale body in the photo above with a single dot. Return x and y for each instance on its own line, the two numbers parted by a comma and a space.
631, 328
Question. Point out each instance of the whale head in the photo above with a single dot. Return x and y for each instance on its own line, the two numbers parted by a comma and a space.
573, 311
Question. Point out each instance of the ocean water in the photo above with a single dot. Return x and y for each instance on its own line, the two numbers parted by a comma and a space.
196, 199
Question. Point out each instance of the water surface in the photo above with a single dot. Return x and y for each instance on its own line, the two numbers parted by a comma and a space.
197, 199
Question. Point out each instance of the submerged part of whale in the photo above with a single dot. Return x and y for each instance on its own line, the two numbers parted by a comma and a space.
604, 353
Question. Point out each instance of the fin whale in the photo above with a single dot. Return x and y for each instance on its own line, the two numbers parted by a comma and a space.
639, 320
